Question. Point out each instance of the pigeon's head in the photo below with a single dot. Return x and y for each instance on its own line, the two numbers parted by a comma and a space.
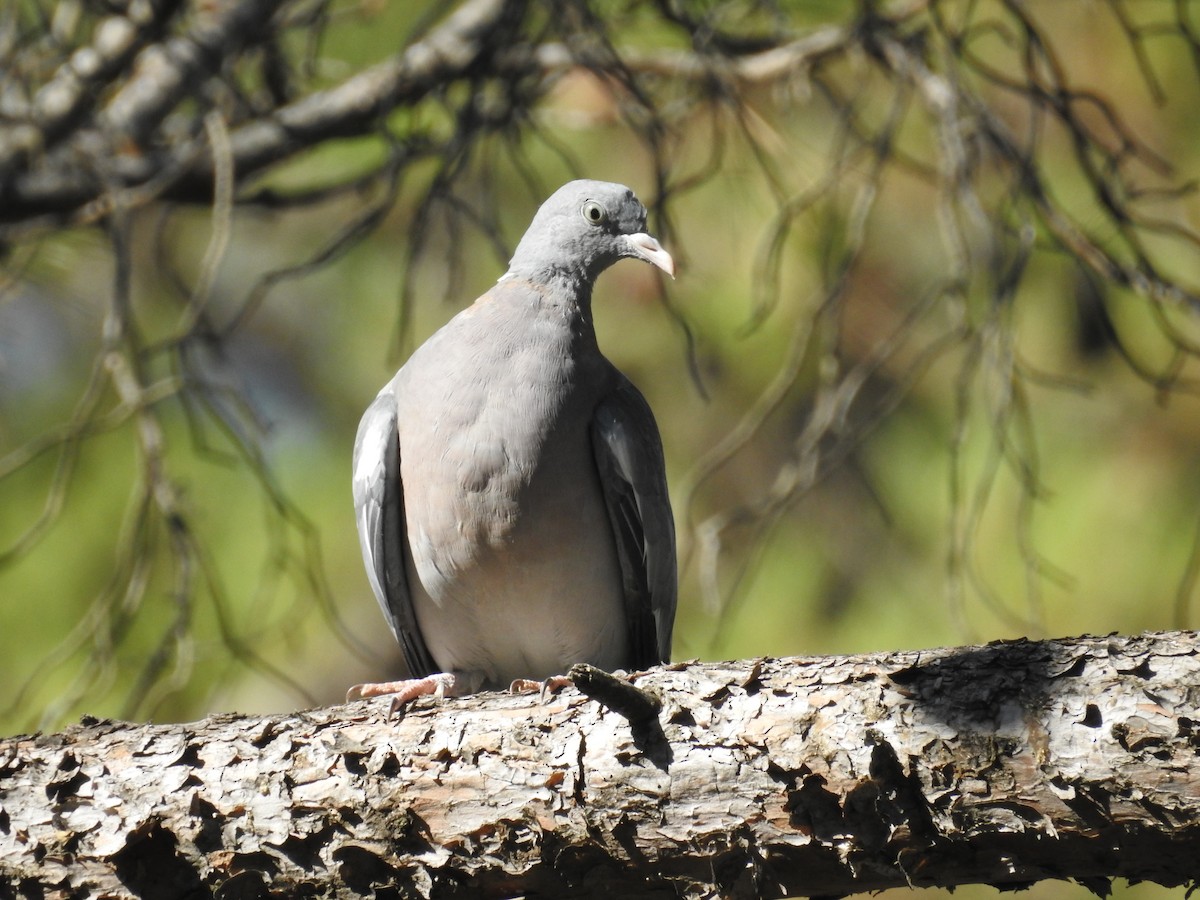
582, 229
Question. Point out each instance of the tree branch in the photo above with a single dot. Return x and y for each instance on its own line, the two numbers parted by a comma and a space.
1005, 764
59, 186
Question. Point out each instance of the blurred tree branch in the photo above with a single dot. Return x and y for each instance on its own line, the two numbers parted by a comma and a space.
136, 149
1005, 765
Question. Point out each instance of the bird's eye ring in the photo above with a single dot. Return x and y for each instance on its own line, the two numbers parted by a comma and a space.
594, 213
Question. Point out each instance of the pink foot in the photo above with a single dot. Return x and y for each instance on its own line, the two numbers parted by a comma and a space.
550, 686
402, 692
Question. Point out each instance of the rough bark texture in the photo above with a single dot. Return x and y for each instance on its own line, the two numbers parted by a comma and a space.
1008, 763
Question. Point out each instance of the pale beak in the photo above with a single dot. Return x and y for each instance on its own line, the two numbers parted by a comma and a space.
647, 248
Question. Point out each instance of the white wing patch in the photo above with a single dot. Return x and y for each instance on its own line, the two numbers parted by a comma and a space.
369, 463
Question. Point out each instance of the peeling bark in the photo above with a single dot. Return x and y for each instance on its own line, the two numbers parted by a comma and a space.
1006, 764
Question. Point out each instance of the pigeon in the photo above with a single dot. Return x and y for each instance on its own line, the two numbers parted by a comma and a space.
509, 483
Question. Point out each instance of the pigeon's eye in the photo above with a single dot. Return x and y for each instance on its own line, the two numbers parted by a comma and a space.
594, 213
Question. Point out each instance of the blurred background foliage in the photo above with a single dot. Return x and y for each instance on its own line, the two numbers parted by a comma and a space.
927, 375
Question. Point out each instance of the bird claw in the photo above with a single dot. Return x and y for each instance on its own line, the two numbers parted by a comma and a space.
551, 685
402, 692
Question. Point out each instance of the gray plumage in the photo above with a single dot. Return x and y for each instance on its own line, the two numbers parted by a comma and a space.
508, 481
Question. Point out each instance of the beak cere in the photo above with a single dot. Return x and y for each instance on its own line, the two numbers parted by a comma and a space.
647, 248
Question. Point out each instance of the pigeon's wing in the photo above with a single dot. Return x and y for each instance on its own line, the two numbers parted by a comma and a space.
379, 510
629, 459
